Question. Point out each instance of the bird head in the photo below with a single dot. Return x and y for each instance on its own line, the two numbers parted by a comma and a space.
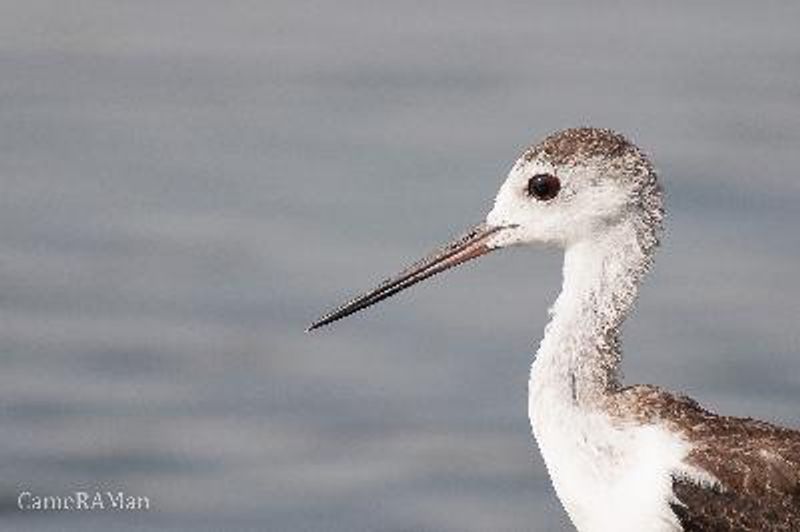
572, 186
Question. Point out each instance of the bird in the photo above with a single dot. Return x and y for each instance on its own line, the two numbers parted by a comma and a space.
620, 457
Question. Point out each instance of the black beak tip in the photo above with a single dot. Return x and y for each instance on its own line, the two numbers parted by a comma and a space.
319, 323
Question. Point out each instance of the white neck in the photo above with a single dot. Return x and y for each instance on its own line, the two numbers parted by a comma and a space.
578, 360
599, 468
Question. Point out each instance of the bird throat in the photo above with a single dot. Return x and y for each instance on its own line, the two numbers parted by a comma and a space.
579, 358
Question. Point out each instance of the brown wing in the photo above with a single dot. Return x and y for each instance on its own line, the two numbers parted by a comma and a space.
711, 509
757, 465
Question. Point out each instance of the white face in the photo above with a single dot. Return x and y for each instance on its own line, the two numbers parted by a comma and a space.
588, 201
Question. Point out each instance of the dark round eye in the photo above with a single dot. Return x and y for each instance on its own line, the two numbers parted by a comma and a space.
544, 186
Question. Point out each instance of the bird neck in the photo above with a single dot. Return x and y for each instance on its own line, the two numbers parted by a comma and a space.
579, 358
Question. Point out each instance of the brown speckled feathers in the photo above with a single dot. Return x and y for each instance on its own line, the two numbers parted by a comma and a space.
757, 464
570, 145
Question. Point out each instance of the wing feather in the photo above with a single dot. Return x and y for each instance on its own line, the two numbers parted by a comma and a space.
756, 465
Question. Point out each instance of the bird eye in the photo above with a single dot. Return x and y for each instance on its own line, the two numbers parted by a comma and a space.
544, 186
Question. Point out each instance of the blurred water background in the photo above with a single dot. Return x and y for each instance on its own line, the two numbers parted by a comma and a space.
186, 184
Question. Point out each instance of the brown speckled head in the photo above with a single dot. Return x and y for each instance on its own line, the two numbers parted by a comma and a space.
570, 146
619, 157
603, 179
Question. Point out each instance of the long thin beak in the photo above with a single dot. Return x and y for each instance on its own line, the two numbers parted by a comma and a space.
471, 245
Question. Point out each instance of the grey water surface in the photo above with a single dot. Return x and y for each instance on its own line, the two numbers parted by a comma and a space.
185, 185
